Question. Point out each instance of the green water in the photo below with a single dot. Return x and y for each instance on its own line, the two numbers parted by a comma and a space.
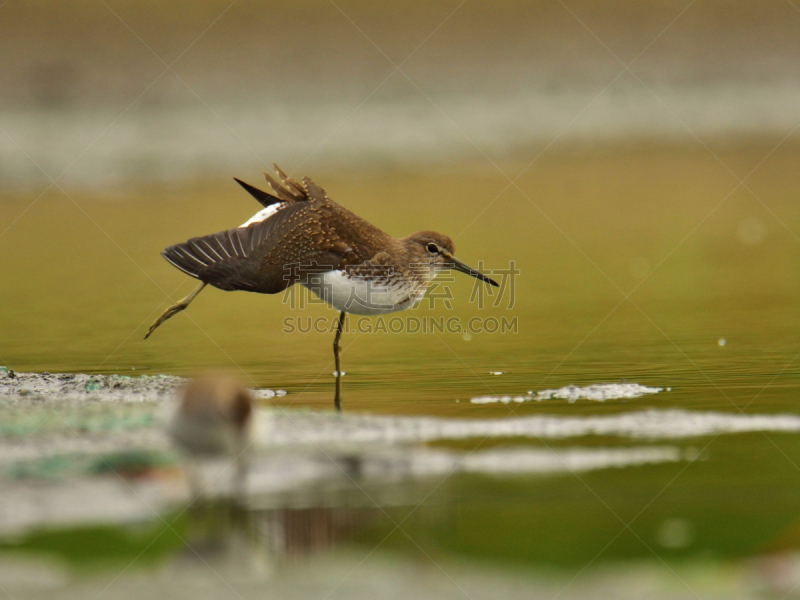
646, 264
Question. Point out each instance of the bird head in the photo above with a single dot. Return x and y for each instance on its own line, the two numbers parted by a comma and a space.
435, 251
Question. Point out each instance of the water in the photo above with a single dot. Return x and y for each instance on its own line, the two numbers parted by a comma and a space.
634, 263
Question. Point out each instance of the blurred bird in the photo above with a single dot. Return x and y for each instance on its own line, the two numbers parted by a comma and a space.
213, 420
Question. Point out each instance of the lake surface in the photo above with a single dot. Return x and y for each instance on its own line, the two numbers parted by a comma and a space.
647, 264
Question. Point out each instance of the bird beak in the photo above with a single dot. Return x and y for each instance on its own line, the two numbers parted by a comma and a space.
454, 263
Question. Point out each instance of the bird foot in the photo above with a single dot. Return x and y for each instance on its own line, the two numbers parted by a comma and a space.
174, 310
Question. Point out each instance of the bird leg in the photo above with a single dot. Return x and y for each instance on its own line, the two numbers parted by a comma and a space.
174, 309
337, 398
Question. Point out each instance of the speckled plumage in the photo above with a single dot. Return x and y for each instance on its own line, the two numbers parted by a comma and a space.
302, 236
308, 234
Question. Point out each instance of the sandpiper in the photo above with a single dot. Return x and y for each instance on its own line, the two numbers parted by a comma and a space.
302, 236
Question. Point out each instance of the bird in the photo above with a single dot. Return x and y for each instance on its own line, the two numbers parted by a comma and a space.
213, 419
302, 236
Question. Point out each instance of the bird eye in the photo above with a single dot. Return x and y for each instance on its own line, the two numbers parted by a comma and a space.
432, 248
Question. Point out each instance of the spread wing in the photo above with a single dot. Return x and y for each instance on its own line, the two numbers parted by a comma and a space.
295, 237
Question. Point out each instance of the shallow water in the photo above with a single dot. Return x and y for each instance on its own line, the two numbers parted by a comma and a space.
644, 265
657, 223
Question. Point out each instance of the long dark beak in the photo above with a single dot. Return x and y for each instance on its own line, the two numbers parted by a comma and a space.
454, 263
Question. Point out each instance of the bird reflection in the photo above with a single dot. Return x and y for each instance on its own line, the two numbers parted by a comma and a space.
238, 542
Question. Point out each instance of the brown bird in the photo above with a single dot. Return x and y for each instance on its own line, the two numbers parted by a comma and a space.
302, 236
213, 420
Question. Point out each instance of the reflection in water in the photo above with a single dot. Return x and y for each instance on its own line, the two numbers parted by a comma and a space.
228, 537
302, 540
217, 535
303, 531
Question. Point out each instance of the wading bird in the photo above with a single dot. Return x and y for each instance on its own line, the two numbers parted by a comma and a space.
302, 236
213, 420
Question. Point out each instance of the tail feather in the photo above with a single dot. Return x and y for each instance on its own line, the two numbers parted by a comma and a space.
287, 190
263, 197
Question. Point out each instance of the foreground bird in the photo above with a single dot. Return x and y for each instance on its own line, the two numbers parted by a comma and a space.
213, 420
302, 236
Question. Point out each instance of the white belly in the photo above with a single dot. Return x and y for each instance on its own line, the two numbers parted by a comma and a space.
359, 296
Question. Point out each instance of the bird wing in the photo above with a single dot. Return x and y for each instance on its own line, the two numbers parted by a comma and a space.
266, 256
300, 232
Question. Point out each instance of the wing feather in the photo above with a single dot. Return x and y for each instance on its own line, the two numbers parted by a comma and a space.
260, 257
307, 233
